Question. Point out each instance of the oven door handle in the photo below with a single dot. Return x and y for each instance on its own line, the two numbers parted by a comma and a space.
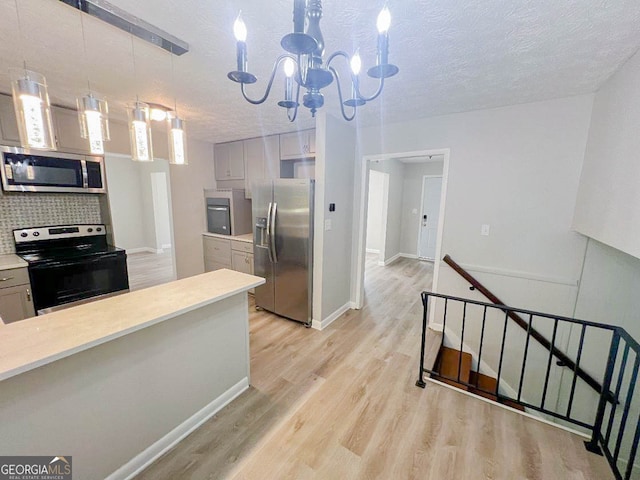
62, 263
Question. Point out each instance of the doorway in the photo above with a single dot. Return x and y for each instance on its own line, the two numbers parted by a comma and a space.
141, 221
410, 215
429, 216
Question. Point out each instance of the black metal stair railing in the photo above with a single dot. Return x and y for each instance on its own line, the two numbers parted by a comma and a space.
612, 356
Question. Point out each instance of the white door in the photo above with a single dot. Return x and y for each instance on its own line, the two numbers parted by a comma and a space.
431, 190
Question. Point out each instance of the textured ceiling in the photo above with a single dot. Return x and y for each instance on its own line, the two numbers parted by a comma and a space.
453, 55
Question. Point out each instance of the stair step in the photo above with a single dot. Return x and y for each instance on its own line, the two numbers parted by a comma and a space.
448, 363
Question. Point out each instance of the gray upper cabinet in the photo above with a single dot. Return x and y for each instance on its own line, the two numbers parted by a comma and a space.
8, 125
229, 161
67, 129
262, 160
65, 124
298, 145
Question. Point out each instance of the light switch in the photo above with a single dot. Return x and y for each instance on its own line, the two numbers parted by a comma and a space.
327, 224
484, 230
414, 211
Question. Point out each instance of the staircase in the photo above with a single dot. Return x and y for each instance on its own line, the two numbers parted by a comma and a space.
455, 368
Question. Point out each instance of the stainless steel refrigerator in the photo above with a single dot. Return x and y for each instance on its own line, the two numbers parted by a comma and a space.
283, 246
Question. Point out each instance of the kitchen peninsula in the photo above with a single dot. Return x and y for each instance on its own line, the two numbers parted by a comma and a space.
116, 382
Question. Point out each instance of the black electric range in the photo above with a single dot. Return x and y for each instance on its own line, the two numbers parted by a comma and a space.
71, 263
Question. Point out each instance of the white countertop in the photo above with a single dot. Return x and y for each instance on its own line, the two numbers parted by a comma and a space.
11, 261
247, 237
37, 341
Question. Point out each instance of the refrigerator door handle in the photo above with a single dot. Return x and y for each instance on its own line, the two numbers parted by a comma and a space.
272, 236
268, 229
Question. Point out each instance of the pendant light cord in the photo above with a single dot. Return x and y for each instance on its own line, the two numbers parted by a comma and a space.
84, 52
24, 59
173, 83
135, 75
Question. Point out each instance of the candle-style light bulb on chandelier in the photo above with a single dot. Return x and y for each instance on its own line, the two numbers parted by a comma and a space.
304, 63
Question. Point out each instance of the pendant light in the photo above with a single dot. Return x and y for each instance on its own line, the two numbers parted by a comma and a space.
177, 129
93, 111
31, 103
140, 132
139, 124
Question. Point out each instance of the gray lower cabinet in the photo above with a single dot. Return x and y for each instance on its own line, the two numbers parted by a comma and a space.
217, 253
227, 253
16, 301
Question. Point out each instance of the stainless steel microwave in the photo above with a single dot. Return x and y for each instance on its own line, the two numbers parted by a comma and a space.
30, 171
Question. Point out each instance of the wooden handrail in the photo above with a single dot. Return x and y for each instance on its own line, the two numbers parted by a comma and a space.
592, 382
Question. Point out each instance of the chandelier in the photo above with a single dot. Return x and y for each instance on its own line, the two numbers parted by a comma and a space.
305, 66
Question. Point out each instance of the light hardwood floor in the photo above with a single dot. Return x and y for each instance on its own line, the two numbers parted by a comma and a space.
342, 404
149, 269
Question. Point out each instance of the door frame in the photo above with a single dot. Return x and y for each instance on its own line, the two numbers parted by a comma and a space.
361, 220
424, 177
382, 241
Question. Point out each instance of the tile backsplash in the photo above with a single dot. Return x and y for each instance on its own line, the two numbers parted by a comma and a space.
22, 210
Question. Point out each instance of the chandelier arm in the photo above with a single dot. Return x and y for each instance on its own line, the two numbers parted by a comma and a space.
274, 70
346, 56
344, 115
295, 110
372, 97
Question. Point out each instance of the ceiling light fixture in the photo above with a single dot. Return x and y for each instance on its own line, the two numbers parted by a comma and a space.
139, 124
93, 111
109, 13
31, 103
177, 129
305, 63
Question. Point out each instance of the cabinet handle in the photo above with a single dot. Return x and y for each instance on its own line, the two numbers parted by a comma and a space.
28, 295
5, 279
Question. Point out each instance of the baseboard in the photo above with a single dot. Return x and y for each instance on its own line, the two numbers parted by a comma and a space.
390, 260
145, 458
409, 255
321, 325
372, 250
506, 407
144, 250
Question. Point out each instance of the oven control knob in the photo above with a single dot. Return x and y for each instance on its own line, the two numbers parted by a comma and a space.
24, 234
99, 229
36, 234
89, 230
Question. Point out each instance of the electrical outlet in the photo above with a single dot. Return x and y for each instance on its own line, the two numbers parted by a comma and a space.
484, 230
414, 211
327, 224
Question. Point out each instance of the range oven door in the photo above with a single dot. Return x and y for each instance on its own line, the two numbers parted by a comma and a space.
58, 283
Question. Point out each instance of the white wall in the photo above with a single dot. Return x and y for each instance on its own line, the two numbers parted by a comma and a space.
131, 202
374, 211
395, 169
335, 159
412, 199
608, 199
161, 208
186, 194
125, 200
515, 168
188, 209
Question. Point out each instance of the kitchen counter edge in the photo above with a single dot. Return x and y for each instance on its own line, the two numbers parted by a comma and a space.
247, 237
34, 342
10, 261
